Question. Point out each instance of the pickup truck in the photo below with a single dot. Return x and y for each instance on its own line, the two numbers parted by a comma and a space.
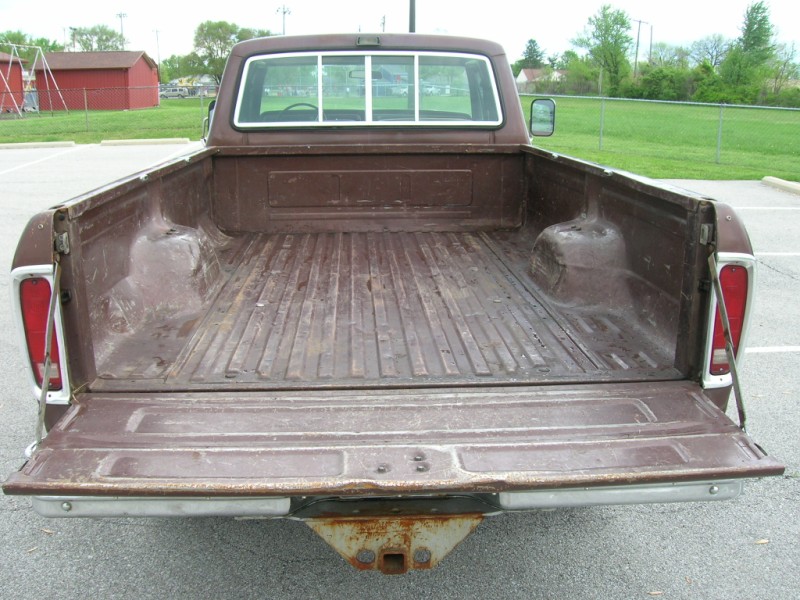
383, 312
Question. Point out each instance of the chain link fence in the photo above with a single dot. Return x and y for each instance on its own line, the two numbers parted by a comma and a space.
659, 139
89, 115
678, 139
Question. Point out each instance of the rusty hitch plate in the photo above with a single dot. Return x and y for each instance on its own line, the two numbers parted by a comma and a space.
395, 545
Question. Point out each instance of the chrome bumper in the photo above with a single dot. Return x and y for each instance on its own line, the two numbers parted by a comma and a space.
117, 506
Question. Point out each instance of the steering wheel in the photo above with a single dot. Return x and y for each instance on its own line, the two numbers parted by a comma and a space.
296, 104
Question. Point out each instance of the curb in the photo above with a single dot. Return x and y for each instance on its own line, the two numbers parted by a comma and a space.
21, 145
145, 142
781, 184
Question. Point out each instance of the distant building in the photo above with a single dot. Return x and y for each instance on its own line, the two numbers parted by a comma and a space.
530, 80
12, 88
98, 81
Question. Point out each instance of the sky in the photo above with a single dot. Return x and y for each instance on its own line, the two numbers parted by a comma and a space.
510, 22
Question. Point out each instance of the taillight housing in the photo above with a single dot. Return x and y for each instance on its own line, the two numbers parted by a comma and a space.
31, 288
736, 276
734, 281
35, 295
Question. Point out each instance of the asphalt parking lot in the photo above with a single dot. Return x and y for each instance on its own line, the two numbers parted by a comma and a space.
745, 548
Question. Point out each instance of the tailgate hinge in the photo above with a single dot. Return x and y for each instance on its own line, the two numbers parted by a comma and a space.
706, 234
62, 243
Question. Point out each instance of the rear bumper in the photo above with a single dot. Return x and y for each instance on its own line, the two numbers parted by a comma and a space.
99, 506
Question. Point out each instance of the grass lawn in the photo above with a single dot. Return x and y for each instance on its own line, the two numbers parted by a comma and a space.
657, 140
676, 141
174, 118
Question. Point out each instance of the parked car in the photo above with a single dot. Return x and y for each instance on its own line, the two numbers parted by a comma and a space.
174, 92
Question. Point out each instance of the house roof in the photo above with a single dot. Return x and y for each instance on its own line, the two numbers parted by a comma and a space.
66, 61
531, 75
6, 58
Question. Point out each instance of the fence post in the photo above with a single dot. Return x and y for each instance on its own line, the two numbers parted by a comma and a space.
86, 109
602, 120
719, 132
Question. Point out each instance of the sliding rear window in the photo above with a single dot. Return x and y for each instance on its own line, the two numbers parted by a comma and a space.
367, 88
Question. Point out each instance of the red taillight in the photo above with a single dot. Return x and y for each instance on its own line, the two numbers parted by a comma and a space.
35, 300
733, 280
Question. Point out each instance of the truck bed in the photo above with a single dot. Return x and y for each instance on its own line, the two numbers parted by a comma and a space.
391, 309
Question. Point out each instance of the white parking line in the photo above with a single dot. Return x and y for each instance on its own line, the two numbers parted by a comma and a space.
43, 159
772, 349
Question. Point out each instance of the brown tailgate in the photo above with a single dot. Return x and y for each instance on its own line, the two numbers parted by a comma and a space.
410, 441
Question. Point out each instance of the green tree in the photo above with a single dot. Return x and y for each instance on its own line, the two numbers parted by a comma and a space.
28, 50
746, 67
582, 74
100, 38
533, 58
607, 40
757, 32
213, 41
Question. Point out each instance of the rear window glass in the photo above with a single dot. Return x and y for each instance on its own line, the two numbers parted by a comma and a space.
360, 88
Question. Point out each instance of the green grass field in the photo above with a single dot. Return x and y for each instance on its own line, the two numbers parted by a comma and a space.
174, 118
657, 140
678, 141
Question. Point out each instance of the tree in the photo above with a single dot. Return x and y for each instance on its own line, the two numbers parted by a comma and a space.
757, 32
533, 58
100, 38
582, 74
666, 55
213, 41
23, 39
711, 50
746, 67
784, 67
608, 42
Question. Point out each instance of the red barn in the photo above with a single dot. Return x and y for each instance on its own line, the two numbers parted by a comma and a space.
98, 80
12, 89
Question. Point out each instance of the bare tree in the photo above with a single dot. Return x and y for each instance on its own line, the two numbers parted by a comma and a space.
711, 50
785, 68
667, 55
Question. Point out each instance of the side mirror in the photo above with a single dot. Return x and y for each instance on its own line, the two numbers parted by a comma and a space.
543, 117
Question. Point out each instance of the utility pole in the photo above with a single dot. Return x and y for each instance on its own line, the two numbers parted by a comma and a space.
158, 55
412, 16
122, 16
638, 33
283, 11
383, 23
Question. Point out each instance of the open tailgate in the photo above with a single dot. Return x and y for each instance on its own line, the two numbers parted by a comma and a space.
362, 443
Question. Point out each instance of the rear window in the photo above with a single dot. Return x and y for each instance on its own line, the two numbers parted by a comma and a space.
360, 88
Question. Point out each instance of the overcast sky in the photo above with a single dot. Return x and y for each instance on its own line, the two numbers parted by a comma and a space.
552, 24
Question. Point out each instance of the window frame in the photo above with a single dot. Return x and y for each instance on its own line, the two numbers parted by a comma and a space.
369, 120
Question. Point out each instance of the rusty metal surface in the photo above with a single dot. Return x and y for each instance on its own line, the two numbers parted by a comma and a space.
384, 309
373, 190
401, 442
395, 545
